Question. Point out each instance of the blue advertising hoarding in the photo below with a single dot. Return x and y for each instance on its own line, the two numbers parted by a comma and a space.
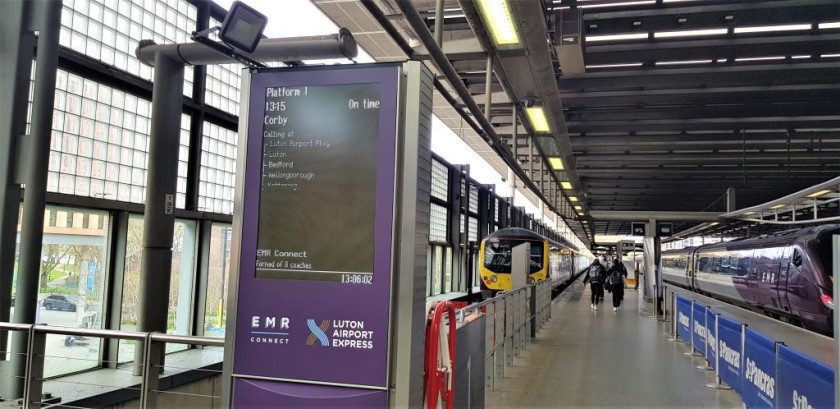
729, 345
711, 337
698, 327
684, 319
759, 381
804, 382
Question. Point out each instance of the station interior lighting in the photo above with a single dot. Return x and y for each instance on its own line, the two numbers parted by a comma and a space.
556, 163
566, 185
573, 198
537, 117
820, 193
243, 27
778, 206
579, 208
498, 18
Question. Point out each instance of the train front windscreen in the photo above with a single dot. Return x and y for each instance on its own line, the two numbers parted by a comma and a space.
497, 255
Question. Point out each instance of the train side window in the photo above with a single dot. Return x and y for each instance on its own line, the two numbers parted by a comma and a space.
703, 265
797, 258
743, 266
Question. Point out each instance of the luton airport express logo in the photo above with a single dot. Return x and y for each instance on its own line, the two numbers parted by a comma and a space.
339, 334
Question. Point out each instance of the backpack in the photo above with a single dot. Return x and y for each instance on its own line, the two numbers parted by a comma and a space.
616, 280
595, 273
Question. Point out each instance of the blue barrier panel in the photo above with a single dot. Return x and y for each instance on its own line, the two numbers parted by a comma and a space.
711, 338
684, 319
759, 389
698, 327
729, 345
804, 382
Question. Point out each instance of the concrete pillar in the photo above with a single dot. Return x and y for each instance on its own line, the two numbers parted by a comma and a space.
650, 267
46, 18
16, 43
159, 217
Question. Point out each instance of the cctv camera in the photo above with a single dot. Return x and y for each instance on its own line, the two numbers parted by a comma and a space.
529, 102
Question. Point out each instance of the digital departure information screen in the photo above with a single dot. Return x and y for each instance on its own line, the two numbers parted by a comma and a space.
318, 185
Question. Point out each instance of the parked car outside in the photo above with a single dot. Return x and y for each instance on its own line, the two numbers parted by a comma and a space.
59, 302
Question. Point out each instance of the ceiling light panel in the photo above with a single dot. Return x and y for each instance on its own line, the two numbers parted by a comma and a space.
498, 17
536, 115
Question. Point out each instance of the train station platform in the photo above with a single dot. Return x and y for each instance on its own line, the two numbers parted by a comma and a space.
601, 359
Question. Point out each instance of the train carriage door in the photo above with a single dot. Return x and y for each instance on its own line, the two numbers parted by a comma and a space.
785, 267
771, 261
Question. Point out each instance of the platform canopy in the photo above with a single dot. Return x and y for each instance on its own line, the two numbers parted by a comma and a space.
651, 105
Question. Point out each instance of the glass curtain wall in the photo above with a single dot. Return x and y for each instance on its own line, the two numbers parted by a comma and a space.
181, 287
72, 279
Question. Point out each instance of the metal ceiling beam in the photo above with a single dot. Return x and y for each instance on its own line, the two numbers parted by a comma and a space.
731, 95
711, 16
659, 216
705, 157
734, 179
721, 48
735, 171
716, 141
808, 122
770, 74
719, 112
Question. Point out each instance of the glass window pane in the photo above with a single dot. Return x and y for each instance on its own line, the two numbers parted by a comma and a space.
218, 158
217, 280
111, 31
74, 261
180, 291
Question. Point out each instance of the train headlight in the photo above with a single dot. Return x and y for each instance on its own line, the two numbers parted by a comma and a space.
826, 300
493, 279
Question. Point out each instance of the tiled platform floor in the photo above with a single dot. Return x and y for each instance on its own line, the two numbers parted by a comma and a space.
604, 359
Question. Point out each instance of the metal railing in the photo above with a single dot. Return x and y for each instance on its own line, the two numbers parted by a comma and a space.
512, 320
150, 369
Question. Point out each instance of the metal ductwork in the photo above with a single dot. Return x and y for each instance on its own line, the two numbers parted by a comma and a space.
569, 41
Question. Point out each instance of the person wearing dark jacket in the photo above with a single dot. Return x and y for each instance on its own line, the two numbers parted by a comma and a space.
596, 276
615, 282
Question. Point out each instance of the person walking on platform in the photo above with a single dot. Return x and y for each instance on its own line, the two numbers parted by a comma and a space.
615, 282
596, 276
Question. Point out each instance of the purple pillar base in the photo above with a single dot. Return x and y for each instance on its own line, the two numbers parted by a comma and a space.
249, 393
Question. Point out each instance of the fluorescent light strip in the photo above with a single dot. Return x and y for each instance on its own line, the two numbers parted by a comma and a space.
556, 163
824, 26
629, 3
683, 62
499, 20
536, 116
566, 185
799, 57
764, 29
614, 37
635, 64
830, 55
690, 33
759, 59
820, 193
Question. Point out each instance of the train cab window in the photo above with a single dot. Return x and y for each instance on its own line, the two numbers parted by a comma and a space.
497, 256
797, 258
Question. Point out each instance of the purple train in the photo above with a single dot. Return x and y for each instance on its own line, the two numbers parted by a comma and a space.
786, 275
